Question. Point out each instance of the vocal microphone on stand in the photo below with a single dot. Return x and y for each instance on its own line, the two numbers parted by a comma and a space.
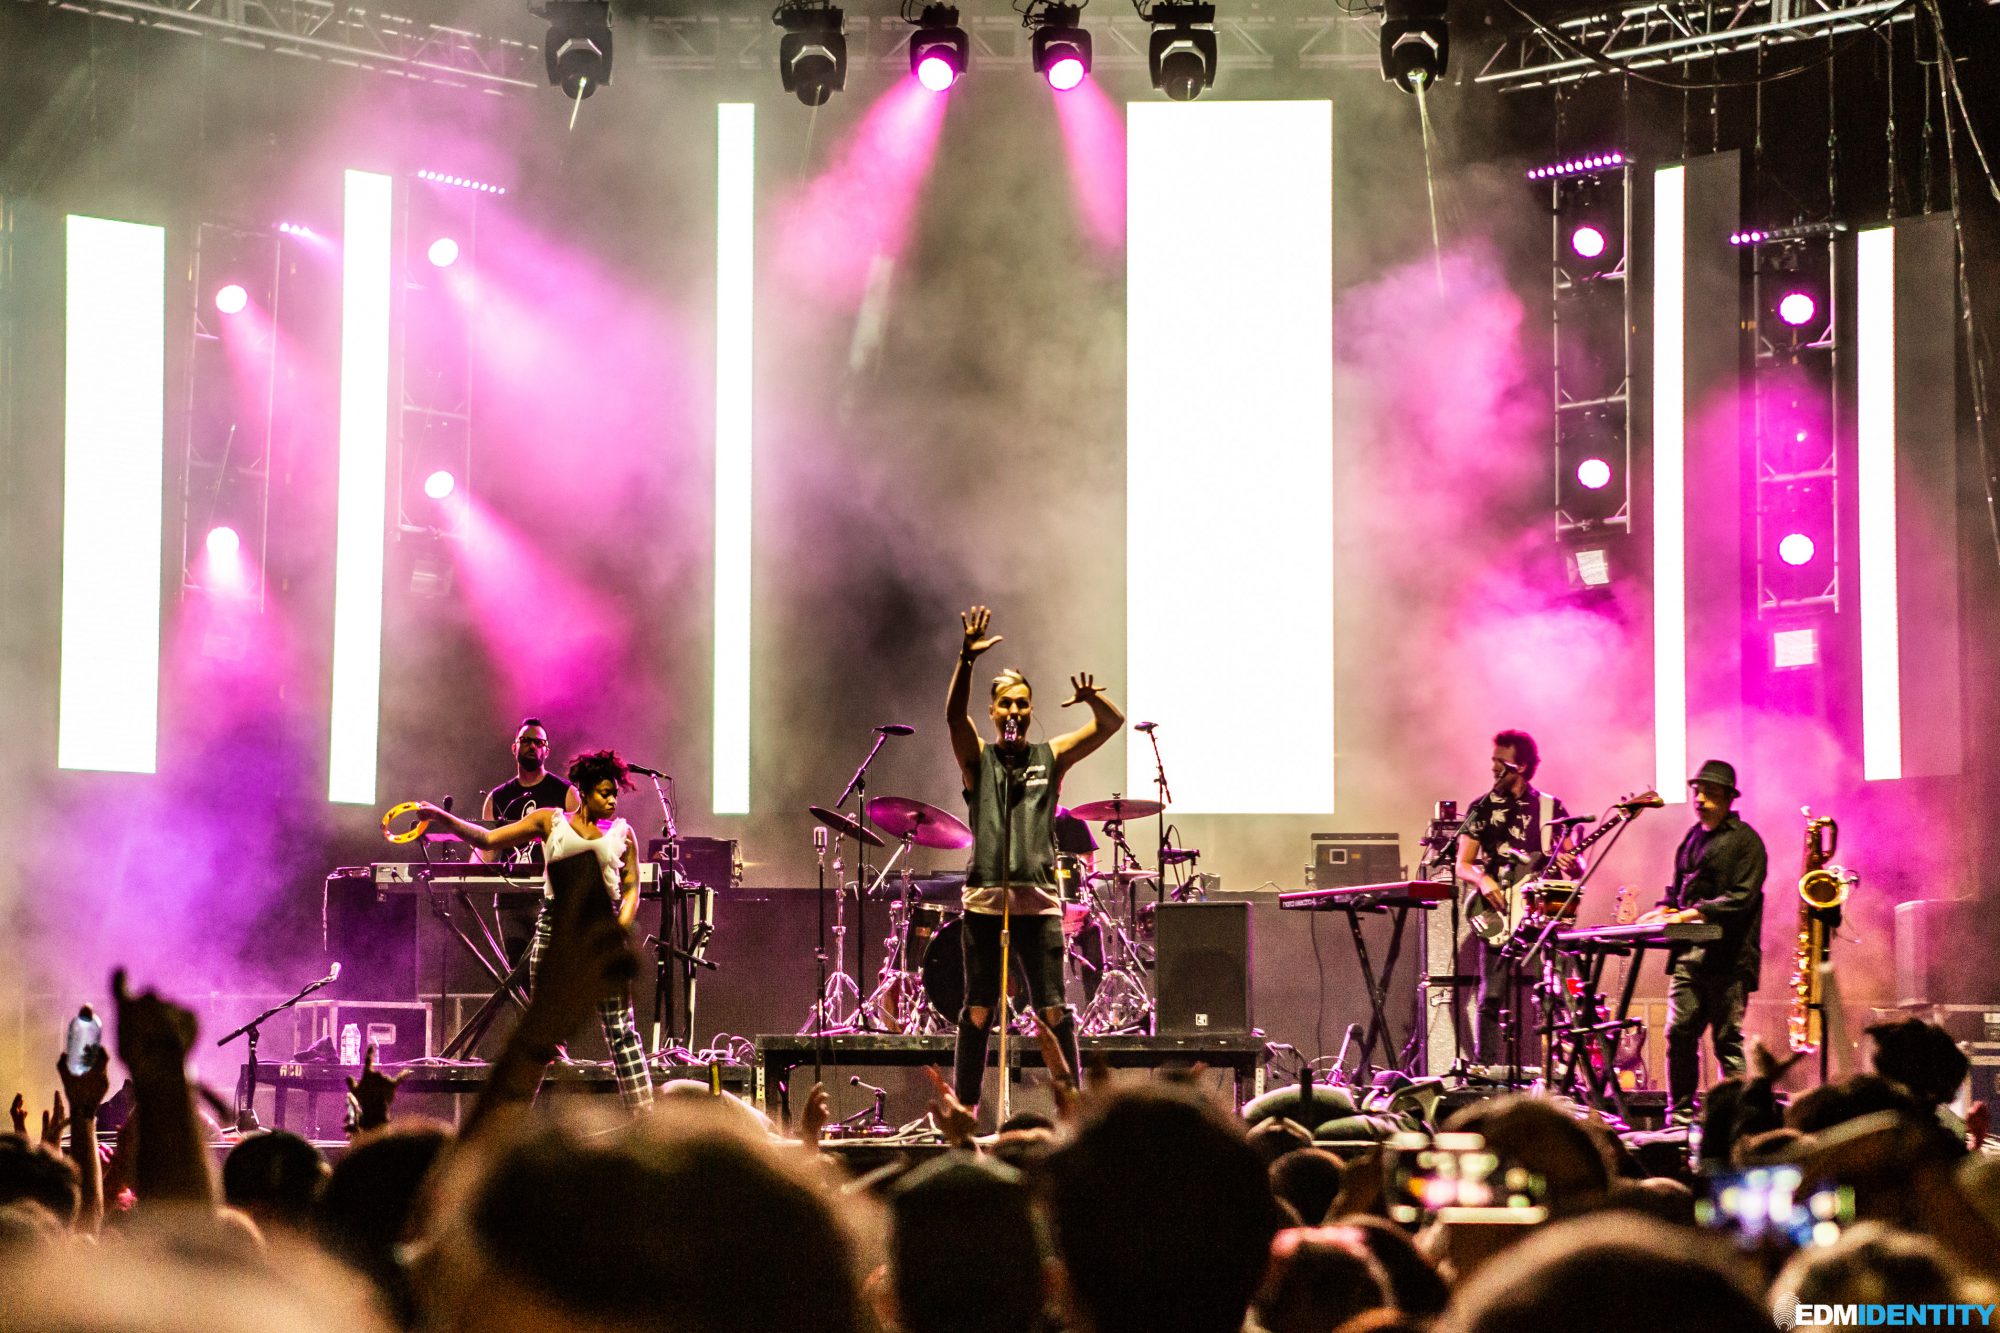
1010, 729
855, 1080
1568, 820
643, 771
896, 729
1144, 726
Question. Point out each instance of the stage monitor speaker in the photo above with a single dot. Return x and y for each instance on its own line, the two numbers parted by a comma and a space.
1944, 952
1203, 959
373, 935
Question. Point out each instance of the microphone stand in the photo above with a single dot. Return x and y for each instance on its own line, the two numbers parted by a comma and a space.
857, 787
1166, 799
819, 1029
246, 1110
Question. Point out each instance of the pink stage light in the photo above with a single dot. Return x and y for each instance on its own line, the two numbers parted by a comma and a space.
1066, 74
1796, 548
1587, 241
444, 252
440, 484
1795, 308
1093, 130
223, 543
936, 73
231, 299
1593, 473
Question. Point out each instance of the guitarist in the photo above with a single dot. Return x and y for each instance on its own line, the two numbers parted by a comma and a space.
1499, 844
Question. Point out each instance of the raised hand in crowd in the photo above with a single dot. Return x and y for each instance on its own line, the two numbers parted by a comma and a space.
948, 1113
86, 1093
814, 1115
1062, 1079
370, 1096
17, 1111
54, 1121
154, 1037
588, 957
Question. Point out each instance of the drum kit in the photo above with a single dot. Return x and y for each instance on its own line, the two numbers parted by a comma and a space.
920, 987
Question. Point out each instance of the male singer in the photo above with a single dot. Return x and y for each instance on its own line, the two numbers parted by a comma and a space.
1011, 786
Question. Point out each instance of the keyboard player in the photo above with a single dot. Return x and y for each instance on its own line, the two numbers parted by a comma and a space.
1718, 878
531, 788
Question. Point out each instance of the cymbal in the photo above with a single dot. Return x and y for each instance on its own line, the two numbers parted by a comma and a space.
1125, 876
925, 825
1105, 812
844, 826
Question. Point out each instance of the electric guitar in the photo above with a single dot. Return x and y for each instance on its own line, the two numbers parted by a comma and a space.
1497, 925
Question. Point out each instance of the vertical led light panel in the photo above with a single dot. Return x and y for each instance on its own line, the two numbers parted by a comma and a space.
360, 529
1670, 483
1875, 489
735, 286
1229, 451
114, 450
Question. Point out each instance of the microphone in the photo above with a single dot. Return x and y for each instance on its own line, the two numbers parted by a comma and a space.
648, 772
1144, 726
445, 805
1568, 820
819, 838
1511, 768
334, 973
1010, 729
855, 1080
895, 729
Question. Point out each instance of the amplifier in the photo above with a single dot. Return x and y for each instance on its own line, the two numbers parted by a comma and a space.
397, 1031
1341, 860
709, 863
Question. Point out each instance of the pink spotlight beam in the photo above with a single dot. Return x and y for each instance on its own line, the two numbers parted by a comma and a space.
831, 232
1093, 130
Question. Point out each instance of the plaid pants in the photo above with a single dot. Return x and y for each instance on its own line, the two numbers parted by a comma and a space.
621, 1027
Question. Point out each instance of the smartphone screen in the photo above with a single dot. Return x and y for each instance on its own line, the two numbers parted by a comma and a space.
1771, 1206
1457, 1178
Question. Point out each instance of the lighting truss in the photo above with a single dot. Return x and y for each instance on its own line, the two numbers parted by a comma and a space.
336, 33
1670, 33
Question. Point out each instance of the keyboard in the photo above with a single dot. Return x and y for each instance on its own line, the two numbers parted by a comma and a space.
484, 877
1651, 935
1395, 893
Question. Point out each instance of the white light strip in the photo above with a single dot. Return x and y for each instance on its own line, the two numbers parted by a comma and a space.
1875, 488
361, 527
114, 449
1229, 450
1670, 483
735, 292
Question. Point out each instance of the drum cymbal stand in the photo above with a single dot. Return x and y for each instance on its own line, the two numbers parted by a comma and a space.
839, 1006
895, 999
1123, 1002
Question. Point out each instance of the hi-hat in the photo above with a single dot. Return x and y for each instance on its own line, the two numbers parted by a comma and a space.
844, 826
913, 821
1123, 876
1117, 808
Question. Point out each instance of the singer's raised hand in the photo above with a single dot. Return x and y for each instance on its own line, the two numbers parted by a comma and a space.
1083, 688
977, 640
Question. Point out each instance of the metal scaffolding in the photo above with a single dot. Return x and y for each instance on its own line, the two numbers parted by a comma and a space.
1674, 32
339, 35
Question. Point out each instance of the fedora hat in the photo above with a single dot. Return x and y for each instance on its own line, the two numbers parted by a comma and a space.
1719, 774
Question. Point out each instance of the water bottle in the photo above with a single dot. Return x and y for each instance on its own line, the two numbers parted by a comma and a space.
84, 1032
350, 1044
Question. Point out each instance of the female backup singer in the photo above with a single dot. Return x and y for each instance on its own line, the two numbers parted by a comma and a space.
593, 830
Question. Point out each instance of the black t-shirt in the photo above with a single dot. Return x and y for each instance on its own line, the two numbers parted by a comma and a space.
1508, 830
512, 801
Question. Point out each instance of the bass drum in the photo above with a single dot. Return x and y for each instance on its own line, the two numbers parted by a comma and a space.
944, 976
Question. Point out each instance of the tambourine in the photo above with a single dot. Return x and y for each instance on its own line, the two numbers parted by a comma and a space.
396, 812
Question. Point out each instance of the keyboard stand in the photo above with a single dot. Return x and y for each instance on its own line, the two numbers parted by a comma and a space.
1378, 987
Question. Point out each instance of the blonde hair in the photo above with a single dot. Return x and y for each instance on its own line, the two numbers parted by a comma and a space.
1008, 679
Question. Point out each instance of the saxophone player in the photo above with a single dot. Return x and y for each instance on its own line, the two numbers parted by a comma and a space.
1719, 879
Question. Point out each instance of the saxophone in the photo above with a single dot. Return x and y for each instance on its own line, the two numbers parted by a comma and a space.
1823, 889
